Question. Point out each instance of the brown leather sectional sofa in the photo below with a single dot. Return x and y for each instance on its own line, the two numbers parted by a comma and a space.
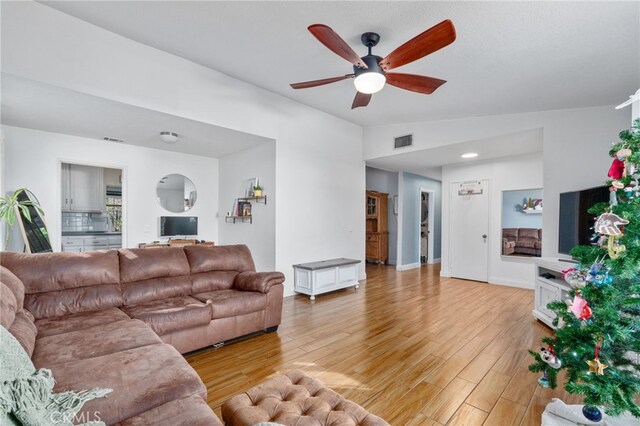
527, 241
120, 319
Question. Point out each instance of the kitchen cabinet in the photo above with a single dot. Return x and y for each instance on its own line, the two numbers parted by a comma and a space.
85, 243
82, 188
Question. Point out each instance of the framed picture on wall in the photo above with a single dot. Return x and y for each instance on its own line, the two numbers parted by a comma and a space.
251, 183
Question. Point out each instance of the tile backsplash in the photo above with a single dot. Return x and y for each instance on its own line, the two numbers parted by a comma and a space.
84, 222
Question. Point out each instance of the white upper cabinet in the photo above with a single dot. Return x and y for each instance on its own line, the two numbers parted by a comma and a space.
82, 188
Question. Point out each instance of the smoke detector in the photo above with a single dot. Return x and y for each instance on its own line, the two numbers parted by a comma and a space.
169, 137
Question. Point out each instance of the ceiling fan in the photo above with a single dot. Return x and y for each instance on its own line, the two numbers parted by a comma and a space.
371, 72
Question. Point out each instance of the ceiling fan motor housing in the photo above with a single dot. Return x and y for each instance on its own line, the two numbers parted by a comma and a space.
372, 62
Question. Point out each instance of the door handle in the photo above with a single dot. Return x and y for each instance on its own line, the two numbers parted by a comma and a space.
484, 236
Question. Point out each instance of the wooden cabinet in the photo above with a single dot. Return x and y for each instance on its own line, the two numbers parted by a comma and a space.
377, 244
82, 188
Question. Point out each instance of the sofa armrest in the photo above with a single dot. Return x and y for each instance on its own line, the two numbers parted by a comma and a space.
257, 281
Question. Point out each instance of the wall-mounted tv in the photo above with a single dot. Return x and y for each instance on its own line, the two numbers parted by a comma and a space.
576, 224
173, 226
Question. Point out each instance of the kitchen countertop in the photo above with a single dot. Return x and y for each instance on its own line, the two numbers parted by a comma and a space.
91, 233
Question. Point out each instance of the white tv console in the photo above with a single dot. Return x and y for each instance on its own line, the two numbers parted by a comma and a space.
549, 289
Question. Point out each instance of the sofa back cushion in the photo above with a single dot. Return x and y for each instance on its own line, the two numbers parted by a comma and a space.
215, 268
8, 306
528, 233
14, 284
152, 274
511, 234
58, 284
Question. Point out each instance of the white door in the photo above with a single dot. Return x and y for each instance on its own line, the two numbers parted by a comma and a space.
469, 230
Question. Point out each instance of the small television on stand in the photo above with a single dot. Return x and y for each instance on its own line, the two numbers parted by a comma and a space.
178, 226
575, 222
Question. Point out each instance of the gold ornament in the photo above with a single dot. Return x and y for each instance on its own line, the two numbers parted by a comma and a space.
614, 248
595, 366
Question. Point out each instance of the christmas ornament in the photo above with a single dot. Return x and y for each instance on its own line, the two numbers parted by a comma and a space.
614, 248
543, 381
623, 153
549, 356
574, 277
609, 224
595, 366
592, 413
579, 307
616, 170
617, 184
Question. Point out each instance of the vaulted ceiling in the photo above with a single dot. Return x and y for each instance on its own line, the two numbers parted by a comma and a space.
509, 56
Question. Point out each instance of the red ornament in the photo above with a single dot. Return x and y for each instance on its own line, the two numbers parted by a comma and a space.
586, 313
616, 171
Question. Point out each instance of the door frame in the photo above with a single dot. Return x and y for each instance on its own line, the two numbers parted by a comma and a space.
431, 205
125, 191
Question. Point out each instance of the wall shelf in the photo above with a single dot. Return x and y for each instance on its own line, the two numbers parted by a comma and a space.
260, 199
532, 211
240, 219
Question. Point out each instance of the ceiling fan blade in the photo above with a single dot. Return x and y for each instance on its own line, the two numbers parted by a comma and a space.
431, 40
415, 83
361, 100
336, 44
314, 83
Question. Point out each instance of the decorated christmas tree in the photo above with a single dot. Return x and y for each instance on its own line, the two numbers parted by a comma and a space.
597, 340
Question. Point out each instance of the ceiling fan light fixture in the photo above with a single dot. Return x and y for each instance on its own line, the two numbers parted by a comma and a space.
369, 82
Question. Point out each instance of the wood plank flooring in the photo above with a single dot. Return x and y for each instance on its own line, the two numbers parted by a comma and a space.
411, 347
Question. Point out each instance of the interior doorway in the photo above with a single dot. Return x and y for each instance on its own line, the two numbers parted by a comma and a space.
469, 230
426, 225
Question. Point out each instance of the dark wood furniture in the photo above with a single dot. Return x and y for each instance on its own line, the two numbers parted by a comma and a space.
377, 245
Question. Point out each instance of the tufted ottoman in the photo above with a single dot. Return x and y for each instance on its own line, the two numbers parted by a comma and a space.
295, 399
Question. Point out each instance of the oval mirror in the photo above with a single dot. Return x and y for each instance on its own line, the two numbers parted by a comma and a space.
176, 193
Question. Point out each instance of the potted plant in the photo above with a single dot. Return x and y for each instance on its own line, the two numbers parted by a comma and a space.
9, 205
257, 191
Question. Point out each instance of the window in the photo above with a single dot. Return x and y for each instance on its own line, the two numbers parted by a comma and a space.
114, 211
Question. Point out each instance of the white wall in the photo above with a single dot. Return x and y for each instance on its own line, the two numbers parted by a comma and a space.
506, 174
576, 145
320, 178
32, 160
259, 236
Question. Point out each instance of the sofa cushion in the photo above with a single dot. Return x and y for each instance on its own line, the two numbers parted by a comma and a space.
66, 324
229, 303
190, 411
510, 234
219, 258
212, 280
141, 378
528, 233
25, 331
15, 285
58, 284
176, 313
8, 306
526, 242
93, 342
149, 275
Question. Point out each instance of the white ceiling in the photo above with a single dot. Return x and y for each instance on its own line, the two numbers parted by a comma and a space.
35, 105
424, 162
509, 56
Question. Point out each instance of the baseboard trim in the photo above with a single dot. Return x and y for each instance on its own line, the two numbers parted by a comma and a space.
445, 273
511, 283
408, 266
434, 261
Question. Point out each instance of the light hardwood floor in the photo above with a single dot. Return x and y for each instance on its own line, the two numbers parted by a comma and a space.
411, 347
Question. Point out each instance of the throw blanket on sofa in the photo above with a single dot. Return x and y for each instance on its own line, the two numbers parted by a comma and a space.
26, 395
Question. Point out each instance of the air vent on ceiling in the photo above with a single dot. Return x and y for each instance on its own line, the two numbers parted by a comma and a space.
402, 141
108, 139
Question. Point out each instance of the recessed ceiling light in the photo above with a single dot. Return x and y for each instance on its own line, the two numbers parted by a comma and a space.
169, 137
469, 155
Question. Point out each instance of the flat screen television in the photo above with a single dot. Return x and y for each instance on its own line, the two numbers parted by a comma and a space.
173, 226
576, 224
